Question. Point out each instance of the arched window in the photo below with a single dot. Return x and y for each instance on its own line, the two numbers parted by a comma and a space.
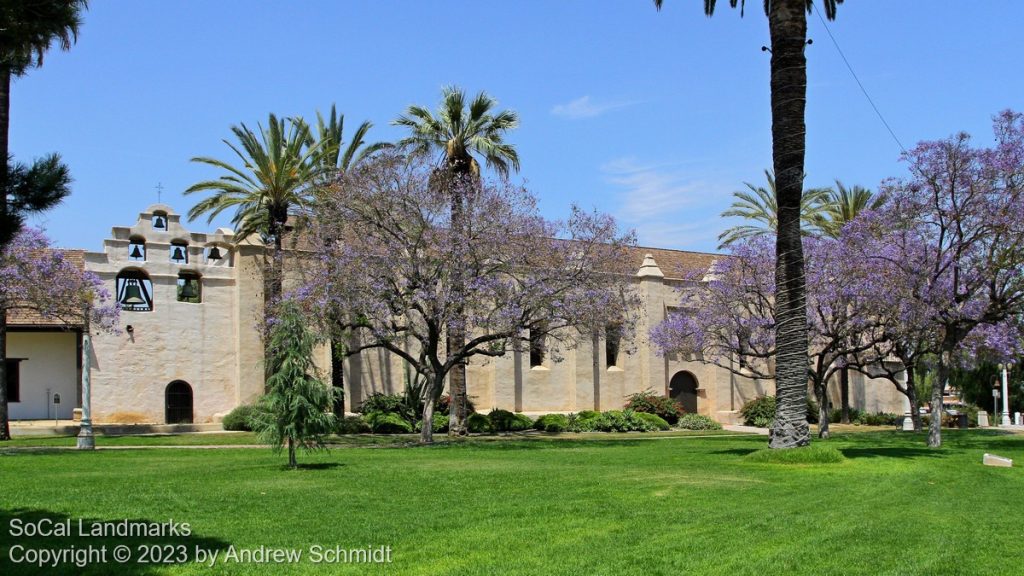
190, 288
160, 220
134, 291
179, 252
137, 249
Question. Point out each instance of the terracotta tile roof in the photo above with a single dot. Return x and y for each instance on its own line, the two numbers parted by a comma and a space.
21, 317
674, 263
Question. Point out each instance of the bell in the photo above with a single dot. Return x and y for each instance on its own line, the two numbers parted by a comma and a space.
178, 255
136, 253
132, 294
188, 291
159, 222
214, 254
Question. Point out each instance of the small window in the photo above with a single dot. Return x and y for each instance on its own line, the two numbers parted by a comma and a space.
612, 340
134, 291
160, 220
14, 379
537, 348
190, 289
137, 249
179, 252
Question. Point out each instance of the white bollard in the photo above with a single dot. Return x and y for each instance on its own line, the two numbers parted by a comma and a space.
982, 419
1016, 418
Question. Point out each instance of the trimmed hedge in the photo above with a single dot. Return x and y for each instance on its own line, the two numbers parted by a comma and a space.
239, 418
654, 420
505, 421
759, 412
352, 425
552, 423
478, 423
698, 422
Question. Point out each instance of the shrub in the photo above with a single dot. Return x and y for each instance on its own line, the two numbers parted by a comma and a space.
697, 422
836, 415
587, 414
812, 411
383, 403
878, 419
239, 419
352, 425
478, 423
505, 421
651, 403
440, 423
658, 422
621, 421
759, 412
552, 423
382, 423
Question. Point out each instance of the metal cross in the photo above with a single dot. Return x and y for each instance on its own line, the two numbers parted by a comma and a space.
159, 191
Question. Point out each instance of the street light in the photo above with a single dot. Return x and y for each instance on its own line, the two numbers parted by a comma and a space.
995, 398
1005, 419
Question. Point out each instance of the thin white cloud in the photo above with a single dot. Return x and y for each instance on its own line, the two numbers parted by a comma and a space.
584, 107
666, 207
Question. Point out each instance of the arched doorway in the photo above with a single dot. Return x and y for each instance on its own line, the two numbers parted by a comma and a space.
178, 403
683, 389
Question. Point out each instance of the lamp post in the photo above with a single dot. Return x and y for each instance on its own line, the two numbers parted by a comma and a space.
1005, 419
995, 399
86, 440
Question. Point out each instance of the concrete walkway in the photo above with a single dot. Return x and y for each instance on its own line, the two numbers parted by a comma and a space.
746, 429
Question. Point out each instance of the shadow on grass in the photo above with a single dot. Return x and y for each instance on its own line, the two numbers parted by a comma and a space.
77, 553
736, 451
891, 452
315, 466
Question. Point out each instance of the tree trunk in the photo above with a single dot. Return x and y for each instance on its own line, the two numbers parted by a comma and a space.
935, 429
844, 393
823, 410
5, 236
292, 463
427, 422
5, 425
915, 407
787, 22
338, 375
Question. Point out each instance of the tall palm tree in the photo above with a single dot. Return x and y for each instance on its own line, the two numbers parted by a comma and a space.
459, 132
276, 179
787, 25
335, 156
27, 29
843, 205
759, 204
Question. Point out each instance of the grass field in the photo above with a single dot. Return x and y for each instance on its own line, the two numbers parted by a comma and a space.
616, 505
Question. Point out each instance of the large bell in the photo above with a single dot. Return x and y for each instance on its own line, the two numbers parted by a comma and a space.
136, 253
159, 222
214, 254
178, 255
188, 291
132, 294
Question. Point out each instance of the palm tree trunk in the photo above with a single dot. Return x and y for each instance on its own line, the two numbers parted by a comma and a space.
456, 329
5, 235
787, 22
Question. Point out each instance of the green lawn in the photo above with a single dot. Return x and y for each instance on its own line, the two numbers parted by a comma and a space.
601, 505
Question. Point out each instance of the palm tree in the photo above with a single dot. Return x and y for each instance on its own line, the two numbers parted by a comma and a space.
758, 204
458, 133
276, 180
334, 156
27, 29
843, 205
787, 25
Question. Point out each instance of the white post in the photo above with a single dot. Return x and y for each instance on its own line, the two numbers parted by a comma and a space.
86, 441
1006, 399
1016, 418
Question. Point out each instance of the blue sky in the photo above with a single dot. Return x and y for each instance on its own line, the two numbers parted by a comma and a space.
653, 117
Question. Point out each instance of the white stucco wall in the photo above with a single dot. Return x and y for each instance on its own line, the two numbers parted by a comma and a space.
51, 368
